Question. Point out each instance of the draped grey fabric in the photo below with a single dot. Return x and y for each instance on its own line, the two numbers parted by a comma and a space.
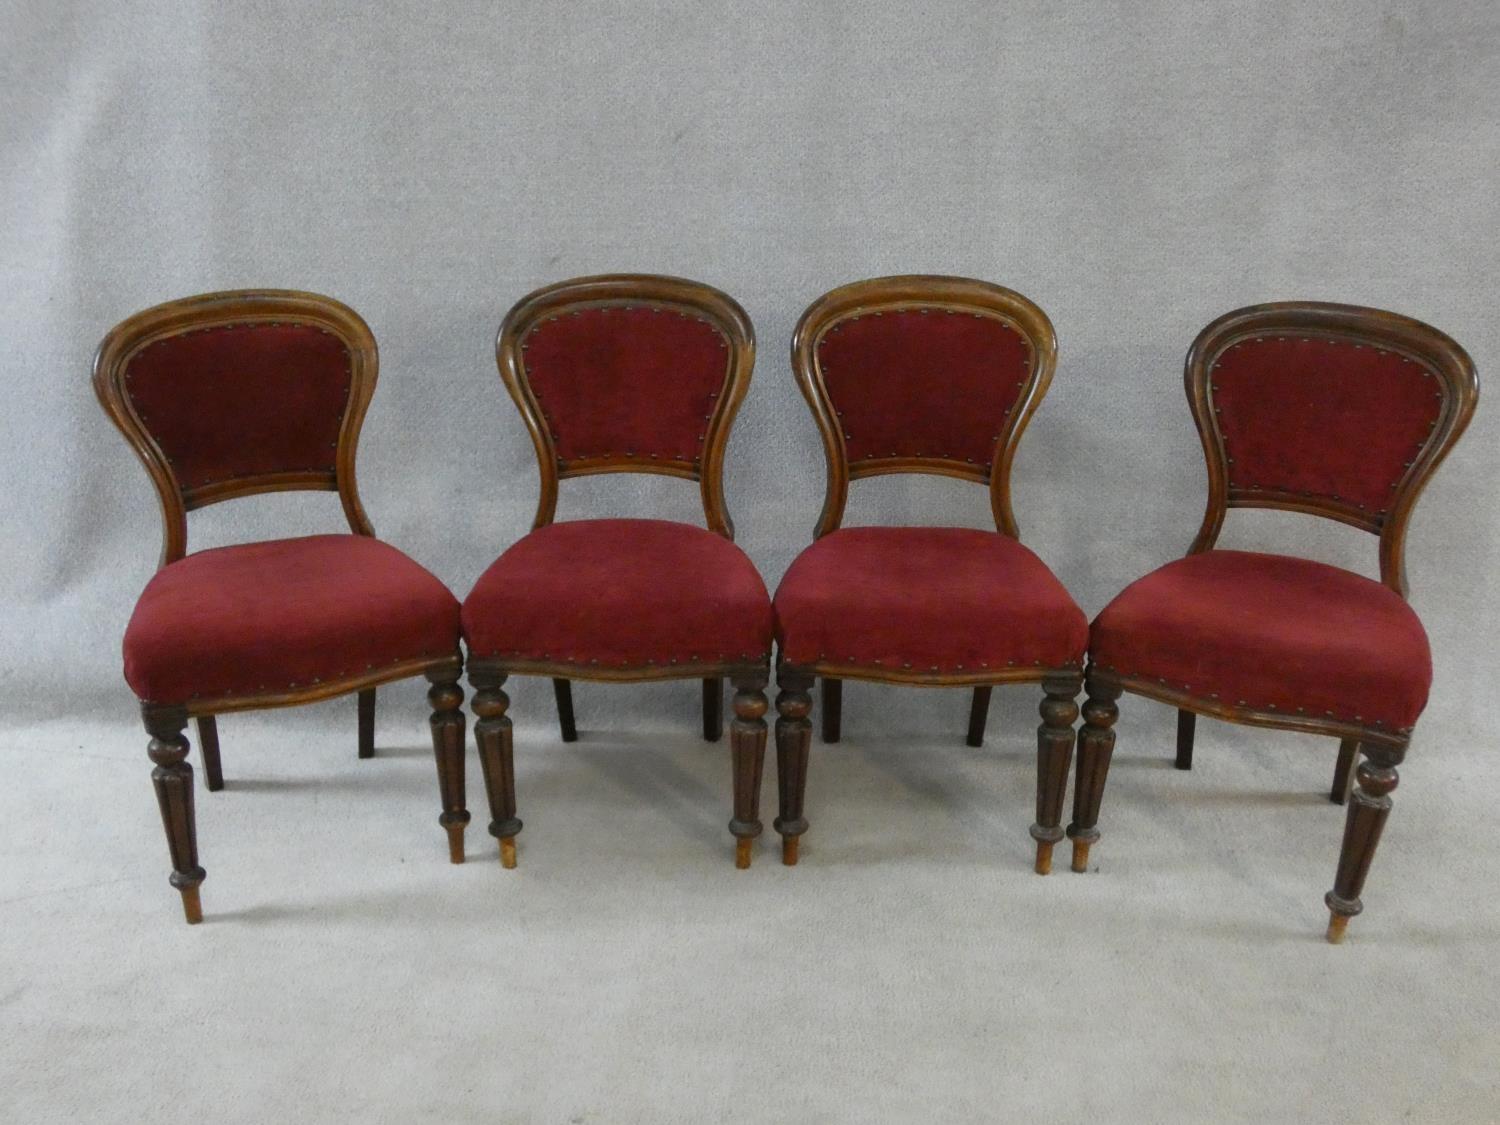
1135, 169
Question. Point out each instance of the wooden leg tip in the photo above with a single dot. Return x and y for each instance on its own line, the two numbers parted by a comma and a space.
1044, 857
508, 852
192, 908
456, 844
1080, 856
1337, 924
789, 848
742, 854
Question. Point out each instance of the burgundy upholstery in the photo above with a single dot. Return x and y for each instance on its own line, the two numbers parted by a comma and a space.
925, 599
622, 593
242, 400
635, 379
923, 382
1322, 417
265, 617
1271, 633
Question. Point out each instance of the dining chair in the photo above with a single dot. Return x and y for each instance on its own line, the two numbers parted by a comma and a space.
1331, 410
924, 375
238, 393
631, 373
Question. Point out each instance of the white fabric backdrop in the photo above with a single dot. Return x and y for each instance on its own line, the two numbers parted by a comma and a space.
1135, 168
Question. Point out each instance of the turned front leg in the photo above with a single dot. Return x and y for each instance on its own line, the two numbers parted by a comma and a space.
793, 743
1369, 805
747, 745
1096, 743
1054, 754
173, 781
492, 734
446, 697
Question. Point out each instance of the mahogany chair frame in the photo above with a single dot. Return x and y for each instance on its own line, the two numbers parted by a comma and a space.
935, 295
168, 748
1457, 385
492, 731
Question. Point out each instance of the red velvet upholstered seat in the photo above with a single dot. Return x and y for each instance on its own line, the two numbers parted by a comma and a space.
258, 618
1271, 633
623, 592
925, 599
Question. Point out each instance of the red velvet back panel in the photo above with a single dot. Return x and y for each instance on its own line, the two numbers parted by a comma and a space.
925, 383
242, 400
1322, 417
626, 379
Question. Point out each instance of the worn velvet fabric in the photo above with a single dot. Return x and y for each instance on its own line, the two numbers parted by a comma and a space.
1322, 417
631, 379
272, 616
1271, 633
242, 400
925, 599
923, 383
621, 593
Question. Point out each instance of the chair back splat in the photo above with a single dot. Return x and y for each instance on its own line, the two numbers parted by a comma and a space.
922, 374
629, 373
237, 393
1334, 410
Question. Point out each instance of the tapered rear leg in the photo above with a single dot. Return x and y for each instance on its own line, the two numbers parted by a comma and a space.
1343, 772
793, 742
173, 780
1096, 744
713, 708
747, 745
1369, 806
208, 749
979, 713
1054, 753
367, 723
492, 733
1187, 723
833, 708
563, 690
447, 722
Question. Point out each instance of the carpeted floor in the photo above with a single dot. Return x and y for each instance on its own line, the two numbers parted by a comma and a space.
911, 969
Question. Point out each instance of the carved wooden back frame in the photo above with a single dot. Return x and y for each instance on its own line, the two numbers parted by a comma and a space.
1449, 364
609, 290
883, 294
212, 310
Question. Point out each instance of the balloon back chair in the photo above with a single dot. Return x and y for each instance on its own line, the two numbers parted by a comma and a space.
924, 375
233, 394
624, 373
1335, 411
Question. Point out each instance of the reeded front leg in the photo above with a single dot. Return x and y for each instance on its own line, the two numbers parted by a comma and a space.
366, 706
713, 708
979, 713
446, 697
1342, 771
1054, 754
1369, 805
747, 745
492, 734
1096, 742
1187, 724
208, 750
173, 780
793, 742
